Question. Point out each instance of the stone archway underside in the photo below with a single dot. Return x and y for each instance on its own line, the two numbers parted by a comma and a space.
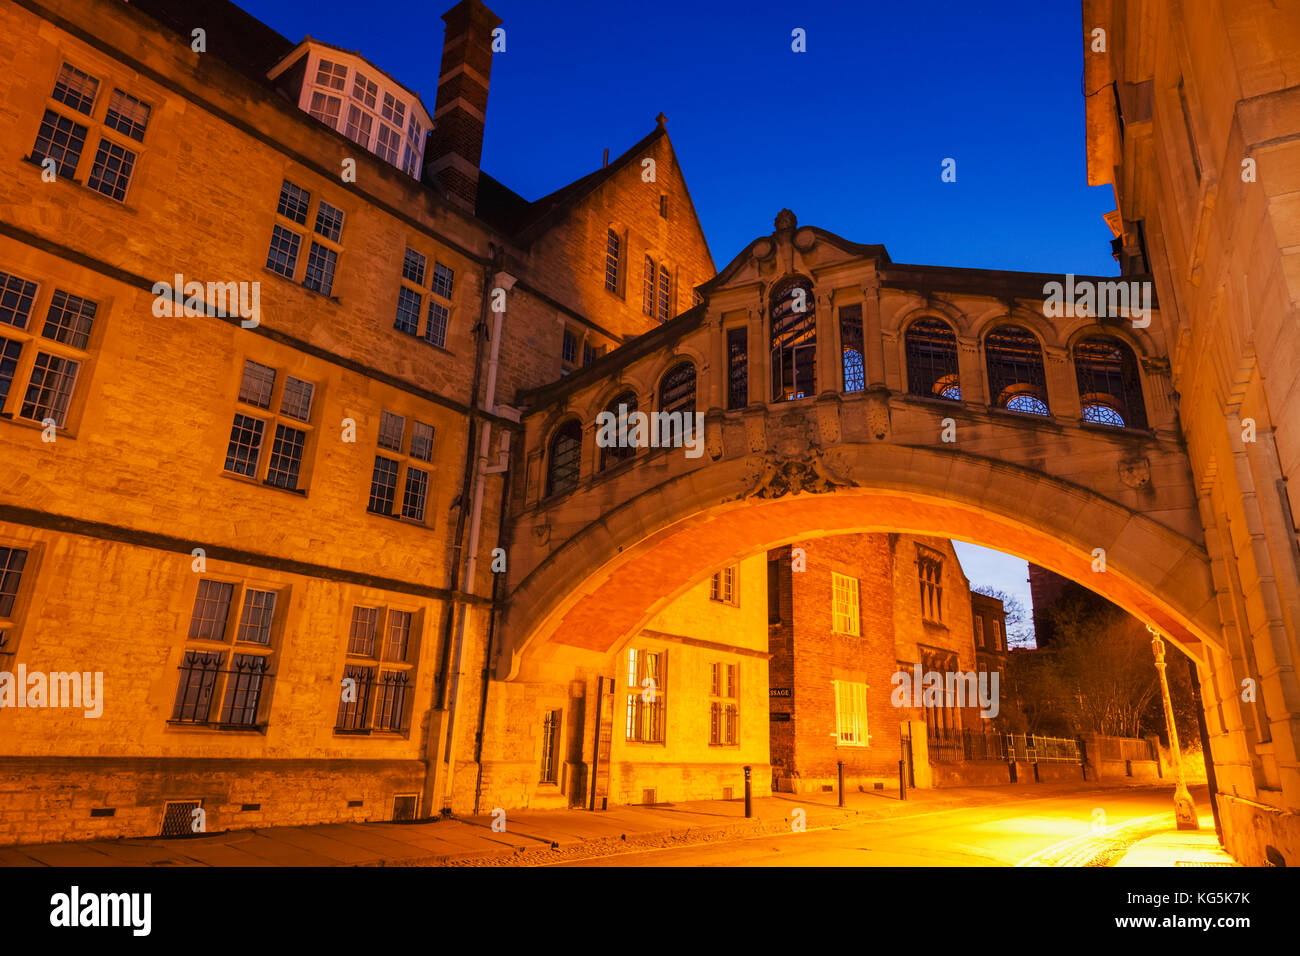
610, 578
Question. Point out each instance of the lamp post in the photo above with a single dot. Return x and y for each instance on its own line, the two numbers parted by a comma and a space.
1184, 809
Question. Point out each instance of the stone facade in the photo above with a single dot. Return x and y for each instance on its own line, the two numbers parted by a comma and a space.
1195, 121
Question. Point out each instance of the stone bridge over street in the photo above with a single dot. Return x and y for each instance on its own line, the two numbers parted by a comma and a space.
841, 392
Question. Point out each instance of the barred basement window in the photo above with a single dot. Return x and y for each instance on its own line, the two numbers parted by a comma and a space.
724, 706
845, 605
621, 406
929, 573
677, 389
793, 339
47, 391
850, 713
723, 587
645, 696
737, 368
612, 246
1015, 367
379, 675
564, 458
551, 746
851, 348
204, 678
1110, 387
259, 390
406, 469
931, 348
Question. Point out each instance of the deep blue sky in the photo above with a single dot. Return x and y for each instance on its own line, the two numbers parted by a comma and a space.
850, 134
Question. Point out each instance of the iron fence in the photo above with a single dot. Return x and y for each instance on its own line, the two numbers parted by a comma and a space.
955, 746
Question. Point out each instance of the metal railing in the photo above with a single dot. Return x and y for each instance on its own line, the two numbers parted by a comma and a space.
955, 746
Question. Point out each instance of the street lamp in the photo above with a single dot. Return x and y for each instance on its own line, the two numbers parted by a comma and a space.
1184, 809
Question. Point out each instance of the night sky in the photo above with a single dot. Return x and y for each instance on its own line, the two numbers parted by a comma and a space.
850, 135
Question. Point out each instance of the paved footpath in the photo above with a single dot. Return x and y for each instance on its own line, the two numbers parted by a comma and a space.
554, 836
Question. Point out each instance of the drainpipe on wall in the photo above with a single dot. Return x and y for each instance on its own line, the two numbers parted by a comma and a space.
439, 701
505, 282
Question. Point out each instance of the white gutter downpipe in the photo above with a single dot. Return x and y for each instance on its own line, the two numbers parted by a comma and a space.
503, 282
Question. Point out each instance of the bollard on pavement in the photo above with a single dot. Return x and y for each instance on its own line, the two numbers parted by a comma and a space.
749, 796
902, 781
841, 783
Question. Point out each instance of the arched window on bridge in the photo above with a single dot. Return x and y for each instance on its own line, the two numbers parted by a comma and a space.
793, 335
563, 459
1110, 388
931, 348
1015, 364
677, 389
621, 406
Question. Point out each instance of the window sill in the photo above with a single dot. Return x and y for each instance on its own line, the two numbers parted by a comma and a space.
409, 522
423, 341
298, 285
115, 203
59, 433
370, 732
262, 483
208, 726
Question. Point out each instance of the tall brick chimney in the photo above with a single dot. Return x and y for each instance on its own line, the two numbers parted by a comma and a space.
456, 145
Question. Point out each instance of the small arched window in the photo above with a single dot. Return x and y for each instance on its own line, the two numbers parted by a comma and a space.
793, 338
1110, 388
621, 406
677, 389
931, 348
1015, 365
613, 248
563, 459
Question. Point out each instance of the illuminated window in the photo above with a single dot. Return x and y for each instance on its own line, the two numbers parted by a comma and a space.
793, 338
1015, 368
845, 607
851, 348
723, 587
850, 713
724, 705
645, 696
931, 348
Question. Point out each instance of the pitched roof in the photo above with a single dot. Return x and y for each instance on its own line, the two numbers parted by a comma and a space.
233, 35
524, 221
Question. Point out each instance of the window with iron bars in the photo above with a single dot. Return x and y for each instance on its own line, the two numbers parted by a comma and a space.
1110, 386
793, 338
551, 746
1015, 367
851, 348
931, 348
564, 459
737, 368
227, 658
379, 671
724, 706
613, 262
677, 389
42, 362
645, 696
401, 483
273, 409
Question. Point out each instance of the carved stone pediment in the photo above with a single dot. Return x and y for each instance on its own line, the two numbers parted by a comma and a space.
791, 476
